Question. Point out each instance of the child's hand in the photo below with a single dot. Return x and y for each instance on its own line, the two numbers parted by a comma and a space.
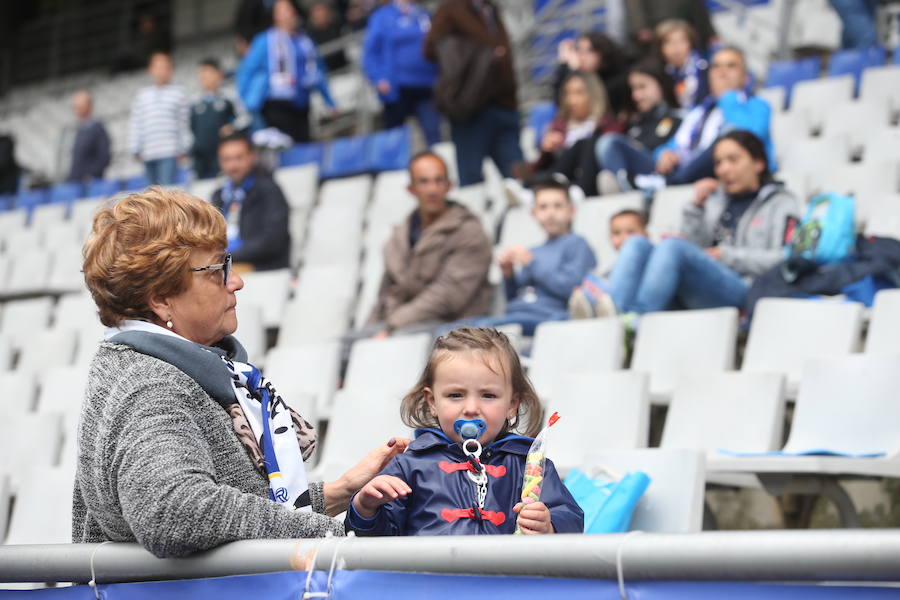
380, 490
534, 518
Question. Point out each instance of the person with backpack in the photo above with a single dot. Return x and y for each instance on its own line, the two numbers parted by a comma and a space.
734, 230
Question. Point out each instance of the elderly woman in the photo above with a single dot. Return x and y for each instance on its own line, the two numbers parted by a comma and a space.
182, 444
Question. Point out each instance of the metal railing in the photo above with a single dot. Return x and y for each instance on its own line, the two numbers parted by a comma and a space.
785, 556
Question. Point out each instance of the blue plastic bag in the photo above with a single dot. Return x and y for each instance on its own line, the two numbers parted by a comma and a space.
827, 232
608, 505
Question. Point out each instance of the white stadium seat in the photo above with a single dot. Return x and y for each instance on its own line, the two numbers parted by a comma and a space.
672, 345
884, 322
306, 376
35, 435
816, 97
592, 222
521, 229
43, 510
393, 364
667, 210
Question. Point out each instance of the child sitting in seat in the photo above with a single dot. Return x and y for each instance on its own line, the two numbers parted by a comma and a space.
539, 280
589, 300
473, 388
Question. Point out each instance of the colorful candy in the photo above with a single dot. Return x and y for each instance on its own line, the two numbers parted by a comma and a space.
534, 467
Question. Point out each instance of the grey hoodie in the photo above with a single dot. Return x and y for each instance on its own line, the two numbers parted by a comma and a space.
759, 239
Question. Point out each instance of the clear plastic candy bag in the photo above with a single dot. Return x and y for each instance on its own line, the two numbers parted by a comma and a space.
534, 466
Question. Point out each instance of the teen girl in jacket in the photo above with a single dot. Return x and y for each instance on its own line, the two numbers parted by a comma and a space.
472, 373
733, 231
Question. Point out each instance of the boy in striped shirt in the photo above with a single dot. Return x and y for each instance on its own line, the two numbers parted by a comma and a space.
159, 133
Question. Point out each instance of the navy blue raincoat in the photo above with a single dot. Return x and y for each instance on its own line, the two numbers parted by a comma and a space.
444, 500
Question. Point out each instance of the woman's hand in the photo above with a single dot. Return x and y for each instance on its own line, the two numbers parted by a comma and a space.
338, 493
380, 490
553, 141
534, 518
703, 188
667, 162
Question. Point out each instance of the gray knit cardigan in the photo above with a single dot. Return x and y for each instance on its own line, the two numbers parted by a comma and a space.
159, 463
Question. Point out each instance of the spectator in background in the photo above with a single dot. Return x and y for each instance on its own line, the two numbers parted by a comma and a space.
280, 71
158, 131
654, 116
733, 231
595, 53
211, 118
680, 53
538, 281
255, 209
435, 263
323, 28
687, 156
591, 299
491, 128
393, 62
9, 169
645, 15
858, 19
568, 146
90, 151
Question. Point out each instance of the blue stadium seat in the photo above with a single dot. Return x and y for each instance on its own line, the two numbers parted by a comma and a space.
788, 72
539, 118
7, 201
897, 55
854, 62
302, 154
31, 198
183, 176
66, 192
390, 150
102, 187
346, 156
134, 183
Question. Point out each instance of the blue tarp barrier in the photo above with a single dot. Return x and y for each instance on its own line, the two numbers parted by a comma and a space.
373, 585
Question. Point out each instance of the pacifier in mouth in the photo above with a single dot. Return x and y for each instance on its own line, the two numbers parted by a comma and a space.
469, 429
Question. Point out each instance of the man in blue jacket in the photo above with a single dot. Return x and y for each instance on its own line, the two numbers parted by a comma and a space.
90, 152
394, 63
687, 157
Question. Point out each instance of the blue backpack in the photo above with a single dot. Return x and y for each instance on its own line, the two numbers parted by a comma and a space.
827, 232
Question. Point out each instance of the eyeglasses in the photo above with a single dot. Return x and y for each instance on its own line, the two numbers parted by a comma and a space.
225, 267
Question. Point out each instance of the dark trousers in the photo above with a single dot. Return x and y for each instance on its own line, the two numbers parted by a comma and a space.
420, 103
493, 132
579, 165
284, 116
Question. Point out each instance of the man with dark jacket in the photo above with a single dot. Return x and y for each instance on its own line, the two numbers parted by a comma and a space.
492, 128
90, 152
254, 207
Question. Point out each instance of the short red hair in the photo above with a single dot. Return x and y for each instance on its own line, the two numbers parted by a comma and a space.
140, 247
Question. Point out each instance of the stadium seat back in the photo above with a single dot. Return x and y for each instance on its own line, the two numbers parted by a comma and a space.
598, 412
391, 364
40, 517
102, 188
817, 97
361, 420
204, 188
316, 318
786, 332
62, 390
584, 345
346, 156
667, 211
46, 349
251, 332
389, 150
741, 412
848, 405
21, 318
672, 345
300, 185
35, 435
673, 502
520, 228
855, 61
306, 376
302, 154
268, 289
789, 72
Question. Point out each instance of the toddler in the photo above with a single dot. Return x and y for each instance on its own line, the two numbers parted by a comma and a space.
463, 472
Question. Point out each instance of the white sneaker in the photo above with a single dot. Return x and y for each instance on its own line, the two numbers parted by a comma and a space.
607, 183
652, 182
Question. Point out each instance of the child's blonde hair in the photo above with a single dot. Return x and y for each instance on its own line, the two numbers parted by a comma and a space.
414, 409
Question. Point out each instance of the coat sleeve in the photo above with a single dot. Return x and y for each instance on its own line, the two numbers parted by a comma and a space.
565, 514
560, 277
373, 56
264, 243
756, 261
252, 67
167, 485
693, 225
463, 274
441, 26
390, 519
